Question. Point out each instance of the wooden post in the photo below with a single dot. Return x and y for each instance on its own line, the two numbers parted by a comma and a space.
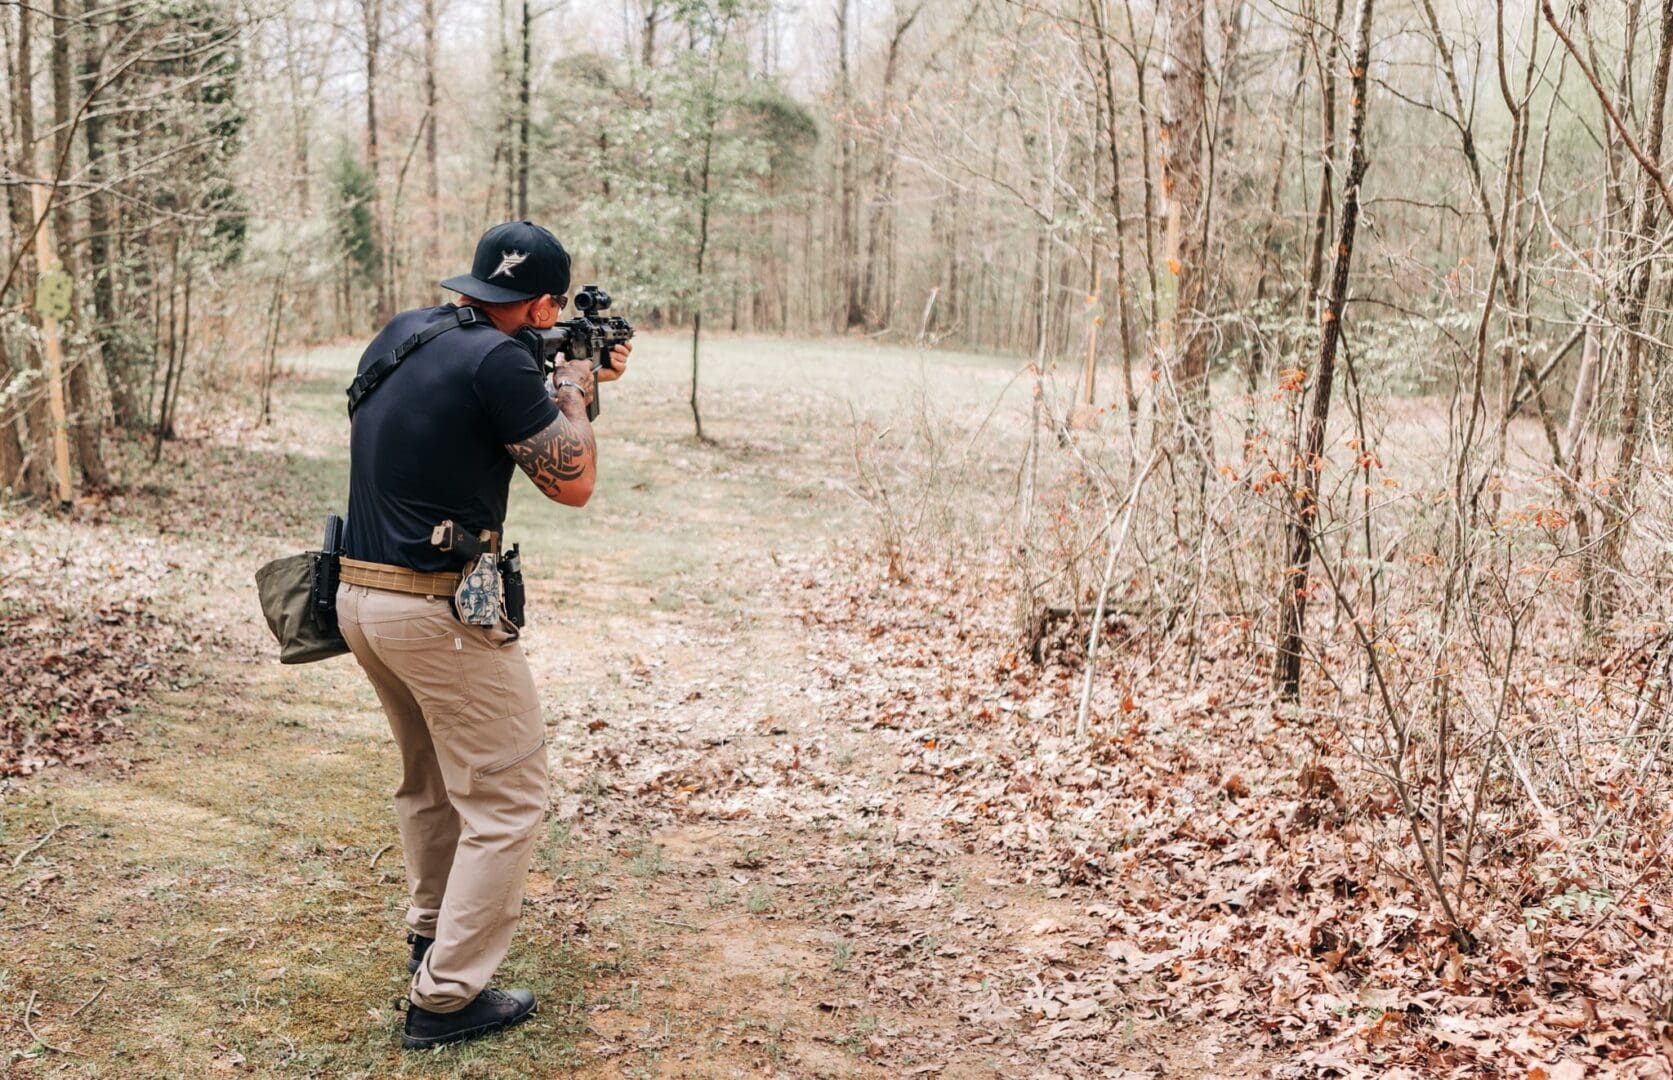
47, 263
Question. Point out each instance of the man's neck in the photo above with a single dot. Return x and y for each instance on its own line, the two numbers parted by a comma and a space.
506, 321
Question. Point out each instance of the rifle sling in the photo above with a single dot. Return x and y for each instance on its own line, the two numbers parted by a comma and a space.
385, 365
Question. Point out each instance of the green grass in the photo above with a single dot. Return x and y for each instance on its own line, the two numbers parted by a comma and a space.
223, 896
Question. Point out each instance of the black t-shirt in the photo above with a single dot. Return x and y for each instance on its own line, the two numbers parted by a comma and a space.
428, 444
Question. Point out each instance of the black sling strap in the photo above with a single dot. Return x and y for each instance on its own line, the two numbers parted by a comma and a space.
385, 365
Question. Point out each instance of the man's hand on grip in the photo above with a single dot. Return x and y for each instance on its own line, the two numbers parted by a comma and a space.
617, 366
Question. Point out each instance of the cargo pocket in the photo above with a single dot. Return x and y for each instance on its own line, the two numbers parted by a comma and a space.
512, 762
499, 756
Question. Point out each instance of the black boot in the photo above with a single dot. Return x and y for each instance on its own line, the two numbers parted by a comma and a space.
493, 1010
420, 945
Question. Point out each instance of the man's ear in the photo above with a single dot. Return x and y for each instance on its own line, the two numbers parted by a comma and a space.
544, 310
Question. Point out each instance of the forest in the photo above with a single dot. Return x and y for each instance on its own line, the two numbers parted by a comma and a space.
1137, 542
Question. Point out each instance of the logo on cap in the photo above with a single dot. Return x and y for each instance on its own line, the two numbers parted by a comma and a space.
509, 261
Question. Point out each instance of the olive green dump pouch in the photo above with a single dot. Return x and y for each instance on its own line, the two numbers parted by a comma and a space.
286, 588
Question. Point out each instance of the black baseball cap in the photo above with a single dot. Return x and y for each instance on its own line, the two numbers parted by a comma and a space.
515, 261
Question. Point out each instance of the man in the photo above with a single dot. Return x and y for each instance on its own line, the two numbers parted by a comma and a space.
433, 438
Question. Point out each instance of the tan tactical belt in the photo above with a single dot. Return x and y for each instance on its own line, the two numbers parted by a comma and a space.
401, 579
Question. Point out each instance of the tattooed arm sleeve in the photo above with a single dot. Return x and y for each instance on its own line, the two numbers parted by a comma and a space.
560, 457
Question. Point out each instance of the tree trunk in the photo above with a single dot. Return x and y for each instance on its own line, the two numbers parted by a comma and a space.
1140, 77
118, 356
712, 120
1591, 356
1292, 595
21, 84
1634, 379
86, 419
270, 349
37, 426
874, 305
1601, 343
647, 34
171, 373
524, 77
851, 307
1113, 134
432, 177
12, 447
505, 142
876, 309
1327, 159
954, 307
299, 124
1182, 133
372, 15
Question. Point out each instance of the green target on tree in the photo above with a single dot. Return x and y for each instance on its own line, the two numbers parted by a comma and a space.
52, 294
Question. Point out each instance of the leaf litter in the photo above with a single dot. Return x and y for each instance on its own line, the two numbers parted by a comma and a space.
1206, 845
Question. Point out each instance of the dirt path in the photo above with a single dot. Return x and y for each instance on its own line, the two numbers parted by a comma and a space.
741, 877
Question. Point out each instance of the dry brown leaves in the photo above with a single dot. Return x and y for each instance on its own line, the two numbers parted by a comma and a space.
92, 601
1222, 870
69, 677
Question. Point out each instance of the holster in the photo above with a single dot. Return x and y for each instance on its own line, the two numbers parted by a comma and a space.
480, 598
322, 591
477, 599
511, 574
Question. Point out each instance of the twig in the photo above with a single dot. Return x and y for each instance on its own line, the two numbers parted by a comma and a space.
705, 926
379, 855
290, 1049
1104, 592
30, 1028
213, 945
96, 996
1546, 818
42, 842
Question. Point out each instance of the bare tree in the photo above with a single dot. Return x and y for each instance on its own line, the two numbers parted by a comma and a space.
432, 166
1187, 223
1299, 540
371, 12
852, 308
86, 422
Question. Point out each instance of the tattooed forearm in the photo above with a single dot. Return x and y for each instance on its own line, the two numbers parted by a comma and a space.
559, 458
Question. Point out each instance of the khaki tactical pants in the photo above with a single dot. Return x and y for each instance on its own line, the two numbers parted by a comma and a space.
462, 705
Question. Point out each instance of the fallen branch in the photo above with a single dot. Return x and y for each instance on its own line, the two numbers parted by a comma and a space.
1087, 611
379, 855
30, 1028
42, 842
